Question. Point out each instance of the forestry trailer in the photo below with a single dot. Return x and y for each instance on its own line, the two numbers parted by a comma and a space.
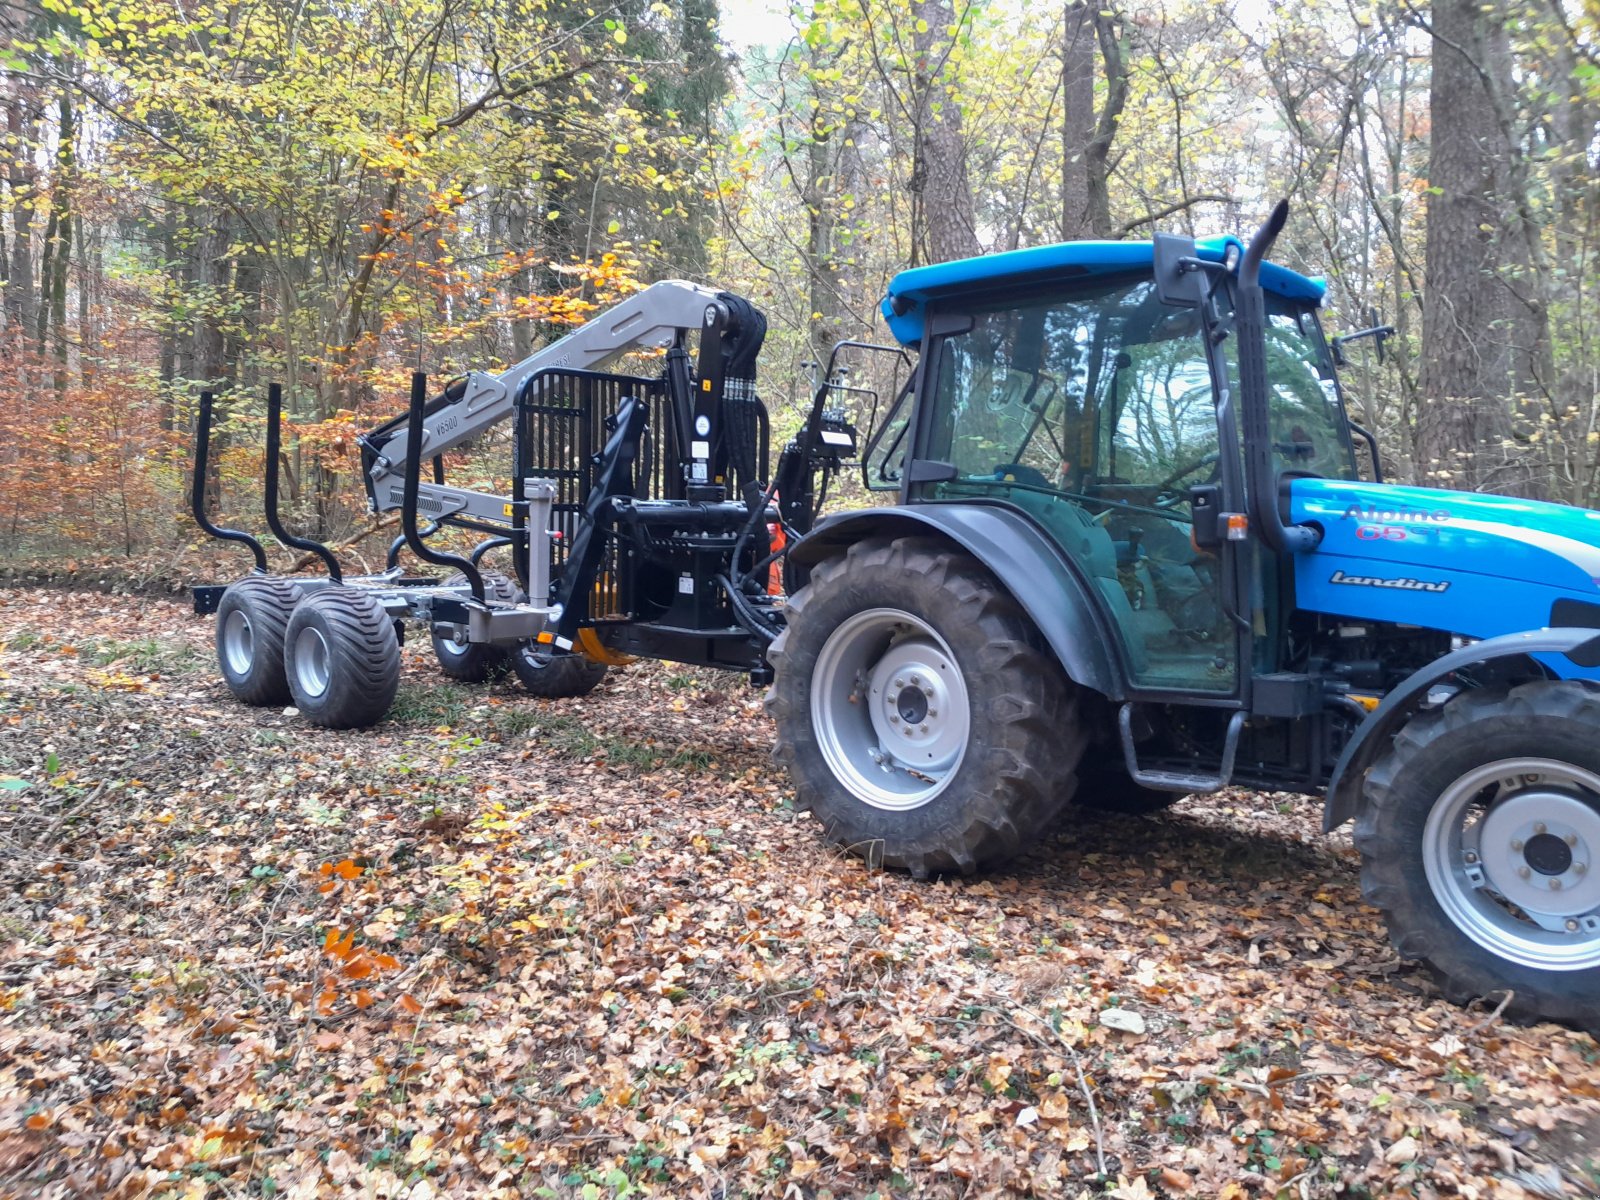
1131, 558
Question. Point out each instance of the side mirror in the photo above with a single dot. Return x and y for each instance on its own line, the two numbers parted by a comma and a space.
1178, 280
1378, 333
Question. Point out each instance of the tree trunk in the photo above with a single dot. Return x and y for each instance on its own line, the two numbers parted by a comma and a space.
1089, 41
1464, 419
22, 131
943, 220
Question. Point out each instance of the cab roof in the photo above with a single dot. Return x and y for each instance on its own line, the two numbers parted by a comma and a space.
911, 290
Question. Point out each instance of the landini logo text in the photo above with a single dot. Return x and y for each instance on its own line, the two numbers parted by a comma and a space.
1402, 584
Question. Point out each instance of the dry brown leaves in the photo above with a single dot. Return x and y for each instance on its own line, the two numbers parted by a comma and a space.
498, 947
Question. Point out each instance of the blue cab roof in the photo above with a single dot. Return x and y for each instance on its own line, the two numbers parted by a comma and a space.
1037, 263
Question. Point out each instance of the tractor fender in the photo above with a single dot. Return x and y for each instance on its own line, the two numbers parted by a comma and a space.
1049, 586
1374, 735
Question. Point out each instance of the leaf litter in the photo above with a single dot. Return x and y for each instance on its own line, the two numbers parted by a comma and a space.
504, 947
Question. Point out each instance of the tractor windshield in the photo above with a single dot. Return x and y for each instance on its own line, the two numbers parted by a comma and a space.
1310, 432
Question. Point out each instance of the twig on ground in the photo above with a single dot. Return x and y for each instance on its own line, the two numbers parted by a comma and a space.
1499, 1011
1077, 1063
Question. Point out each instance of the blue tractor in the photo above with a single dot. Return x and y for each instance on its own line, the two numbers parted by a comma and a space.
1132, 558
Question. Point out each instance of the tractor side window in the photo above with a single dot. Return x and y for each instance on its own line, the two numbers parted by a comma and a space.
1092, 412
1310, 433
883, 464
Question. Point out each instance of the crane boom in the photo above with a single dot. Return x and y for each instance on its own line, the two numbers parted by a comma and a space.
655, 317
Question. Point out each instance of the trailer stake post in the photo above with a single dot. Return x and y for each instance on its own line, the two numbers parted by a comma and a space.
197, 497
274, 521
408, 506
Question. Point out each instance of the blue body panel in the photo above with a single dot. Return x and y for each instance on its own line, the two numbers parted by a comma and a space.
920, 284
1461, 562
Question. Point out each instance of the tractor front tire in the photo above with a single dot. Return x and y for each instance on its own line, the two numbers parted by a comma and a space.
251, 621
922, 719
1480, 843
342, 658
475, 662
555, 675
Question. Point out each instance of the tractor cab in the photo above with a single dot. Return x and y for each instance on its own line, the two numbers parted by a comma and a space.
1062, 383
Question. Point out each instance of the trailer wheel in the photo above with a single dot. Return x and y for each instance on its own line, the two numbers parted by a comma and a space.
342, 659
475, 662
1480, 843
251, 620
1105, 786
555, 675
920, 716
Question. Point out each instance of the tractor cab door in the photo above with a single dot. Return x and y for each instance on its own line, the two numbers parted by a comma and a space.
1091, 409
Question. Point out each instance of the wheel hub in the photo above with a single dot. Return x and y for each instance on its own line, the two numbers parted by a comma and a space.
311, 667
1537, 847
1509, 851
890, 709
238, 642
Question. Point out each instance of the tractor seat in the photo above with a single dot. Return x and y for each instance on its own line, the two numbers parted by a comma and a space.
1086, 543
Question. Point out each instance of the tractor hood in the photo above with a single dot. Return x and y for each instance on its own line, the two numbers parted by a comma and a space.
1465, 563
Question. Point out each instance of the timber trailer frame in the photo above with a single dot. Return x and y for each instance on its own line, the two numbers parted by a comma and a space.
639, 522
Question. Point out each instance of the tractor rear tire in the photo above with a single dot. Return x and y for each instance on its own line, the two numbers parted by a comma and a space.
342, 658
1486, 810
251, 621
555, 675
1105, 786
921, 717
475, 662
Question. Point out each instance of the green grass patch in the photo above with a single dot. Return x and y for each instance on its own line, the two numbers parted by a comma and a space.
569, 737
437, 704
145, 656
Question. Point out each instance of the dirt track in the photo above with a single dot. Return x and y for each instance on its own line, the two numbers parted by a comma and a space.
499, 945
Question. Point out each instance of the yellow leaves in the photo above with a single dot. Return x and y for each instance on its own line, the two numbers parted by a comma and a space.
421, 1149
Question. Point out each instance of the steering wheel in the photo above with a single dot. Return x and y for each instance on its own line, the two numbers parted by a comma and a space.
1167, 495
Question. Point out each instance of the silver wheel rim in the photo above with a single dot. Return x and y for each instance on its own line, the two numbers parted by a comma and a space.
311, 661
1510, 853
890, 709
450, 641
238, 643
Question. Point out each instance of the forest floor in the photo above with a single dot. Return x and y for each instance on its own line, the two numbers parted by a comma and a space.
506, 947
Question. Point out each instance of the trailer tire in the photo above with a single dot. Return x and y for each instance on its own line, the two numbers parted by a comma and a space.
981, 723
1104, 785
555, 675
475, 662
342, 659
1483, 810
251, 621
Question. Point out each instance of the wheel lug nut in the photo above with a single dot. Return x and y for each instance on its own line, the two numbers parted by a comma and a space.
1516, 845
1572, 839
1580, 868
1572, 927
916, 681
1472, 856
1541, 828
893, 720
933, 712
899, 683
1524, 872
924, 729
1555, 885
